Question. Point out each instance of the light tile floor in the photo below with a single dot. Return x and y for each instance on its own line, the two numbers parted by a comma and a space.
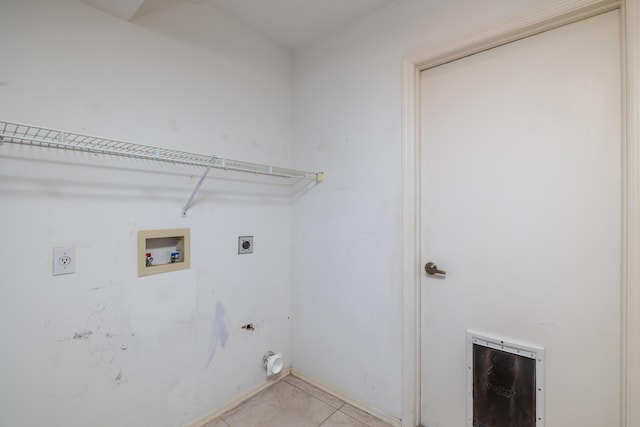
292, 402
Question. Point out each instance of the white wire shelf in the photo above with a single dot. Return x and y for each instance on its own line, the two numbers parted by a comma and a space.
17, 133
31, 135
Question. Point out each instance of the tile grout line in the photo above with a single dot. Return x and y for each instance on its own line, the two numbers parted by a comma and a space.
353, 418
376, 414
317, 398
335, 410
326, 419
329, 400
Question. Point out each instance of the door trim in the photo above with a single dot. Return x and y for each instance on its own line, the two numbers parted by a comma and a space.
534, 21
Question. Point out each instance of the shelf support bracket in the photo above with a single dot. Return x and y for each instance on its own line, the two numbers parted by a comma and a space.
187, 205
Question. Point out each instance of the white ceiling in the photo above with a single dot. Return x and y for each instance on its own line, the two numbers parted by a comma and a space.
121, 8
290, 23
295, 23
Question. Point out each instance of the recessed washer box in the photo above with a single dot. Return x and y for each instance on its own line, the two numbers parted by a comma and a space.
161, 251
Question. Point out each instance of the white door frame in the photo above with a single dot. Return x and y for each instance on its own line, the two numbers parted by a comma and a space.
553, 14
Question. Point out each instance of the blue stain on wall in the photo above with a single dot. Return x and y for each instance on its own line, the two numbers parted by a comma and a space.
220, 330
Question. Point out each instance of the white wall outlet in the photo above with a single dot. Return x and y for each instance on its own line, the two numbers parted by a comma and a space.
245, 245
64, 261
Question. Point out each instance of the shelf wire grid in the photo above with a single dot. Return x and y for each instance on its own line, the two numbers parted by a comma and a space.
17, 133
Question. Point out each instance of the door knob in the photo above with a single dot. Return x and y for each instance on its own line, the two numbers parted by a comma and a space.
432, 269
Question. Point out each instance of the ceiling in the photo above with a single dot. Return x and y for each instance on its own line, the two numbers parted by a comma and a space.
290, 23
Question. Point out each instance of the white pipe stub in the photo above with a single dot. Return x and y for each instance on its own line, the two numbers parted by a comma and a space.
273, 363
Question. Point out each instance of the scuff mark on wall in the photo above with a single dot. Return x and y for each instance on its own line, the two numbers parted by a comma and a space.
220, 330
94, 107
84, 335
173, 125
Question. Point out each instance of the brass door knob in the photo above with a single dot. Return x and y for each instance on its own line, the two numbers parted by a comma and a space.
432, 269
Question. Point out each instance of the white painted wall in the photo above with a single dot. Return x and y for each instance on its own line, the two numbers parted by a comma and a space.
226, 92
346, 259
145, 357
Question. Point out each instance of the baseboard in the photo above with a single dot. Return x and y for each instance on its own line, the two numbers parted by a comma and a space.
395, 422
236, 401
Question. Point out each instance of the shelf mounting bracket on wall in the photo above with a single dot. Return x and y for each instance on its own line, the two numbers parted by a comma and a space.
195, 190
18, 133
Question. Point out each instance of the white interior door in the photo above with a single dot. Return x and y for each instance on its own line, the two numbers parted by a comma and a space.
521, 206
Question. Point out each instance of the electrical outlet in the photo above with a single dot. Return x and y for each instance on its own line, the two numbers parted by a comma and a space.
64, 261
245, 245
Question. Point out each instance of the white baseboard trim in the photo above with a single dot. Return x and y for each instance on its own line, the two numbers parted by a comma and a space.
236, 401
395, 422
